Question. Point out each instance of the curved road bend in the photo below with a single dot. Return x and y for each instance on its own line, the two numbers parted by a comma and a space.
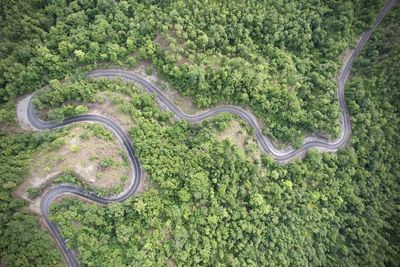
65, 189
266, 144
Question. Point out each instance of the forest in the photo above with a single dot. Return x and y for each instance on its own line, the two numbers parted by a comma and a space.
209, 203
278, 59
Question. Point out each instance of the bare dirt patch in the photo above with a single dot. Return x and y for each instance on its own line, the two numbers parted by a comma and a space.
81, 157
345, 56
144, 185
239, 136
162, 41
107, 108
20, 122
84, 157
185, 103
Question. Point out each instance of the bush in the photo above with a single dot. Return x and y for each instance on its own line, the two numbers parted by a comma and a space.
33, 192
106, 163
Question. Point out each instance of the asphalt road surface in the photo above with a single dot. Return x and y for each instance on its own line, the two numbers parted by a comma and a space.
265, 143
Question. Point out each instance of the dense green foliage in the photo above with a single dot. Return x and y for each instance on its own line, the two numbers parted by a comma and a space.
22, 243
207, 203
276, 57
210, 206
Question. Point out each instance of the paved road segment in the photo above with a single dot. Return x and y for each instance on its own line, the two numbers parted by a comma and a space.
265, 143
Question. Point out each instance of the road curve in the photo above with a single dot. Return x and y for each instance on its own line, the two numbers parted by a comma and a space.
265, 143
65, 189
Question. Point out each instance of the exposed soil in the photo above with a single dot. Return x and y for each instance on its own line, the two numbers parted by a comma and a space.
22, 114
79, 156
144, 185
162, 41
183, 102
107, 109
239, 136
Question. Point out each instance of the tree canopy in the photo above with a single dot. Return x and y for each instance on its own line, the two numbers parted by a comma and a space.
208, 203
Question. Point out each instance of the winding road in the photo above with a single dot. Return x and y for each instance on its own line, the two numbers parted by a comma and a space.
265, 143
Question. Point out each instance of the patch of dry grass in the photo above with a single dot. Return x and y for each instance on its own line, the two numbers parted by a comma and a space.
85, 156
239, 136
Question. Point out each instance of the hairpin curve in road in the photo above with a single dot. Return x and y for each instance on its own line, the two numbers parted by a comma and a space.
265, 143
